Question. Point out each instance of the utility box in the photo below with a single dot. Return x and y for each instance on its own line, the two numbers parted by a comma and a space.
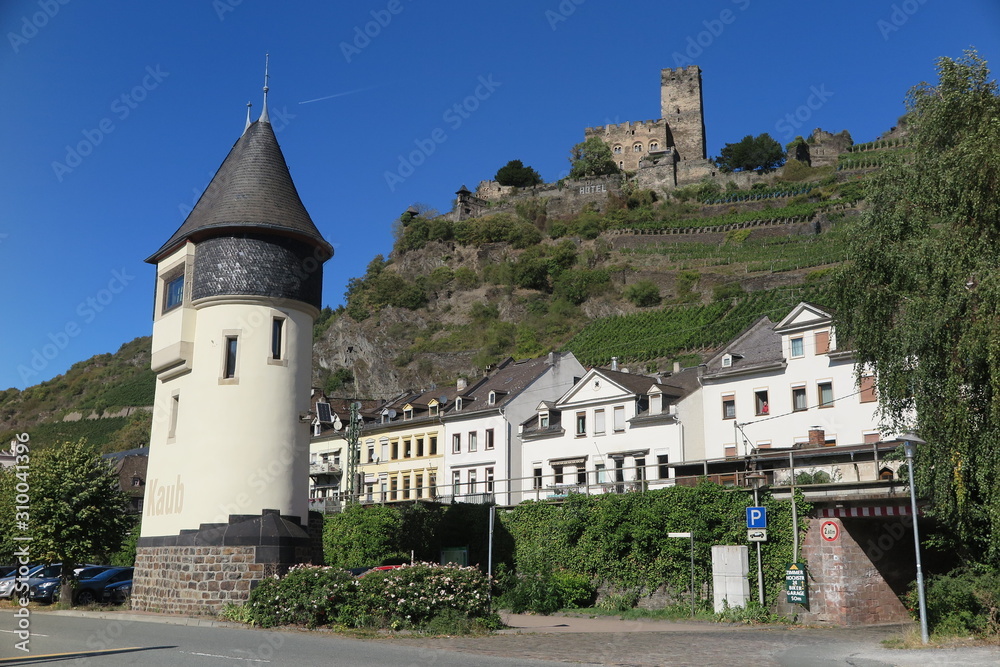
730, 567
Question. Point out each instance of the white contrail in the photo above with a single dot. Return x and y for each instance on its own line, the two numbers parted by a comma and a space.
349, 92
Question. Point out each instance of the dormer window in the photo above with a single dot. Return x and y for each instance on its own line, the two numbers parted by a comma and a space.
458, 403
407, 413
543, 420
433, 409
655, 404
727, 361
493, 398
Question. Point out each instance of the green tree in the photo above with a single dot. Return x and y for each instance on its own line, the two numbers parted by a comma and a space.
591, 158
643, 293
920, 301
761, 154
78, 511
516, 174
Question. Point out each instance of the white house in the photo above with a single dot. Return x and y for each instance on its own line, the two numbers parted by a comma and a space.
785, 385
613, 431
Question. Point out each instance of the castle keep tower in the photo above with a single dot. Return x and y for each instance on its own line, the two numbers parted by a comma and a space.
238, 287
681, 107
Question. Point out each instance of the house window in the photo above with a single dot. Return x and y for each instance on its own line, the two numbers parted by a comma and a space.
822, 342
432, 481
458, 403
175, 404
407, 448
825, 394
473, 441
662, 469
640, 469
277, 328
543, 420
761, 406
799, 399
581, 423
434, 410
393, 488
581, 474
406, 487
420, 447
730, 451
763, 444
229, 371
489, 480
433, 446
385, 450
599, 422
456, 483
174, 294
729, 407
868, 389
492, 398
619, 418
136, 481
797, 347
557, 474
727, 361
600, 473
395, 449
489, 438
872, 438
472, 481
371, 453
536, 478
456, 443
418, 485
407, 414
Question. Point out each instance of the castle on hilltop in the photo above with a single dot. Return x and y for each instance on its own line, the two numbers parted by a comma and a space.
680, 130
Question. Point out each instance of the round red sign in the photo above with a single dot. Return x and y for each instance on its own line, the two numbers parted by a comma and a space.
830, 531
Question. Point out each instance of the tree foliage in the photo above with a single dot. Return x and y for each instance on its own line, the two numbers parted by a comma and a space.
761, 154
516, 174
921, 301
591, 158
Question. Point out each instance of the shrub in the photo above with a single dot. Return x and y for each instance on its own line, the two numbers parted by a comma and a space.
466, 278
643, 293
965, 601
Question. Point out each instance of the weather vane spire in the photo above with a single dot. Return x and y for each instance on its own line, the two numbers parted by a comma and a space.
263, 114
245, 127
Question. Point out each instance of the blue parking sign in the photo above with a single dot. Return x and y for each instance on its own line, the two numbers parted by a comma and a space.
756, 517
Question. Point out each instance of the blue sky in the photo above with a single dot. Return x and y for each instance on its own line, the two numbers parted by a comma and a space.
116, 114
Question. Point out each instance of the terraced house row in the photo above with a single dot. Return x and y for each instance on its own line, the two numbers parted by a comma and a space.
542, 428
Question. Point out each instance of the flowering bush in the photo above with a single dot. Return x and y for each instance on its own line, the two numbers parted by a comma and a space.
414, 596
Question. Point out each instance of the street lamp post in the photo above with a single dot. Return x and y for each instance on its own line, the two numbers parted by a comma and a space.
910, 442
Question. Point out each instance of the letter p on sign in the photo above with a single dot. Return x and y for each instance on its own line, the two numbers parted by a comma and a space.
756, 517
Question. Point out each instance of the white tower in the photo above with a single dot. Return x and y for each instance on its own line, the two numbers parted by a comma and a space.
238, 287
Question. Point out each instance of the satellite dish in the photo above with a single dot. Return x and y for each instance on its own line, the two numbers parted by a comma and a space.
337, 425
356, 405
442, 399
392, 413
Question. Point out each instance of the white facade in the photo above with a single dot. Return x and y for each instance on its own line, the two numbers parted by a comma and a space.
609, 433
222, 445
775, 398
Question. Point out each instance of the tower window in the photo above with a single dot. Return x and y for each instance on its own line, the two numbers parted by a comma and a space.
174, 295
229, 371
277, 331
175, 404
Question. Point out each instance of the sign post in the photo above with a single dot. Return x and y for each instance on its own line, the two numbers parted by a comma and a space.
795, 585
757, 532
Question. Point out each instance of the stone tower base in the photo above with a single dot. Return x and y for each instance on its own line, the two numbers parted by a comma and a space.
198, 571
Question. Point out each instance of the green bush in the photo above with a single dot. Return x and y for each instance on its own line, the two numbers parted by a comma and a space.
963, 602
643, 293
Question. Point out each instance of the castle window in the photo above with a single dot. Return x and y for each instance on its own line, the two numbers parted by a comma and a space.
637, 148
618, 150
277, 329
229, 370
621, 164
654, 146
174, 295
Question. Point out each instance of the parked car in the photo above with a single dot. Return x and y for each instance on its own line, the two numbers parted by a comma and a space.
7, 570
8, 582
118, 593
93, 589
46, 589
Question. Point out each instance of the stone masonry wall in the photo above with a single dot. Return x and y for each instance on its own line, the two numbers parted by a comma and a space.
194, 580
631, 141
845, 587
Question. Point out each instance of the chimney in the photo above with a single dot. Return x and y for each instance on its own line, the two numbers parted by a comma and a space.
462, 384
817, 437
677, 367
614, 363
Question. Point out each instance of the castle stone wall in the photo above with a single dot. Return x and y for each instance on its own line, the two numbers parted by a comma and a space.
632, 141
682, 108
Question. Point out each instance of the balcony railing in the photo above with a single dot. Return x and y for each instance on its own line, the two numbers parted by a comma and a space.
324, 468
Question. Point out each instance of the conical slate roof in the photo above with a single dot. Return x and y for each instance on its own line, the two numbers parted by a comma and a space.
251, 192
